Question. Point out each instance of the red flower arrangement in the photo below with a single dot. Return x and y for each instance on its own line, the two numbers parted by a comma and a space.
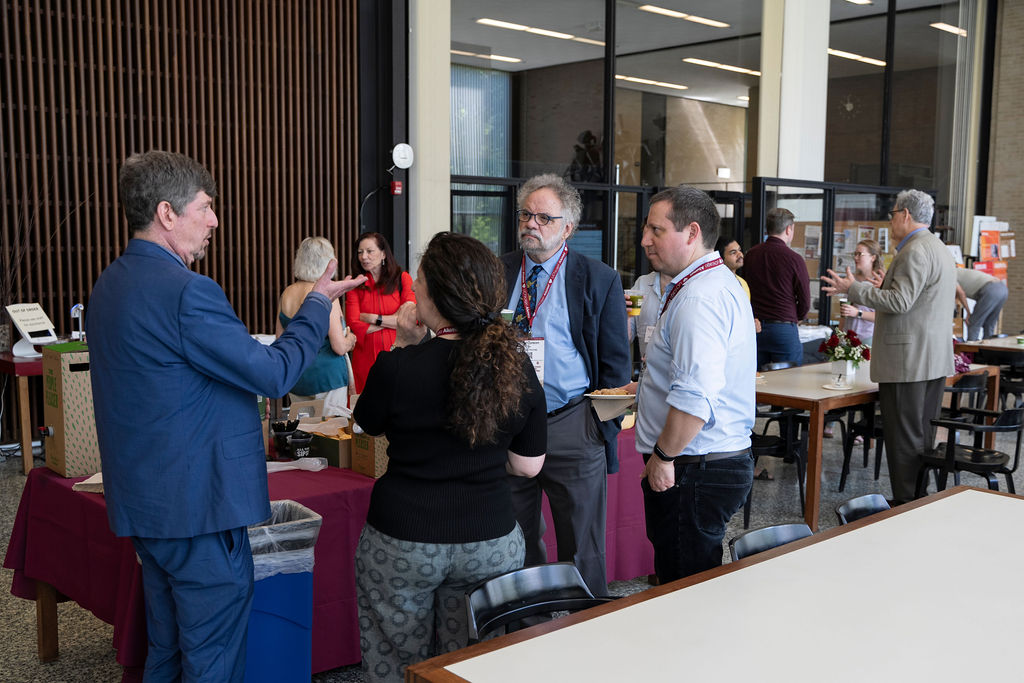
845, 346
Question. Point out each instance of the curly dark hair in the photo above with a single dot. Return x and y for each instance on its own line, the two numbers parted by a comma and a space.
466, 283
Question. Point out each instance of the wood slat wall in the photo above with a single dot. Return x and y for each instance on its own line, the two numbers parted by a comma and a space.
262, 92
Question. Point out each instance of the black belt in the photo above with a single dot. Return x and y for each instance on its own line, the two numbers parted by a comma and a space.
708, 457
572, 403
777, 322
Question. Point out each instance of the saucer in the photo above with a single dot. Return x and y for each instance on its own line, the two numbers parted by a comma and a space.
834, 387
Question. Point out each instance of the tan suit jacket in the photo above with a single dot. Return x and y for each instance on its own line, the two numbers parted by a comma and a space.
913, 339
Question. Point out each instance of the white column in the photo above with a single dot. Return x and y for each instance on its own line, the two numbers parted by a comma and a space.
429, 123
794, 87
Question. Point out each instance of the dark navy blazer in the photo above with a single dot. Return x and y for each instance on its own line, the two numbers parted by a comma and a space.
175, 376
597, 321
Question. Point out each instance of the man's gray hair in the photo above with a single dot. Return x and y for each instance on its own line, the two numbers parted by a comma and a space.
920, 205
156, 176
311, 258
569, 196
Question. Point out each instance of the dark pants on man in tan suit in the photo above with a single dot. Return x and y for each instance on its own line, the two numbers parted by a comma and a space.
907, 411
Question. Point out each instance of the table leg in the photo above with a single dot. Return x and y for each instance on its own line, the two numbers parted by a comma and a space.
46, 622
812, 493
25, 422
992, 401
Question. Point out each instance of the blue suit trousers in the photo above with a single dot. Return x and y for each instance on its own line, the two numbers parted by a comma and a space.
198, 597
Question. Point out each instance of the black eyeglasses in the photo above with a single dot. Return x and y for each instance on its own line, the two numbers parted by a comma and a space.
895, 211
524, 216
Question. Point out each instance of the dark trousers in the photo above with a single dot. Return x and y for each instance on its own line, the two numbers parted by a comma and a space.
198, 595
779, 342
907, 411
686, 523
575, 479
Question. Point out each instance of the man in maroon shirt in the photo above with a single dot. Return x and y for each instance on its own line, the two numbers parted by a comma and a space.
779, 291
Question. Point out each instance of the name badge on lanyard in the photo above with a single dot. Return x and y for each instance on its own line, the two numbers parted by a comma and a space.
534, 347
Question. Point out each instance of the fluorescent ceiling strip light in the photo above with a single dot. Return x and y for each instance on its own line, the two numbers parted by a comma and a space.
654, 9
716, 65
496, 58
537, 31
859, 2
948, 28
856, 57
648, 81
745, 98
502, 24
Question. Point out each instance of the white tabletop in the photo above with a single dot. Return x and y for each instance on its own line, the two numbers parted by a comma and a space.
1002, 343
807, 381
927, 595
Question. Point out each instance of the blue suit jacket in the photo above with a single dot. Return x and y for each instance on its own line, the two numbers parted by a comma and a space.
175, 376
597, 320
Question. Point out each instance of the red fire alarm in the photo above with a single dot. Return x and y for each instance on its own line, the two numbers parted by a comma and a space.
396, 187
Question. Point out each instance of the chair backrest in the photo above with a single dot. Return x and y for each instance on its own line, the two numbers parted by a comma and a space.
777, 365
525, 592
972, 386
861, 506
1014, 417
759, 540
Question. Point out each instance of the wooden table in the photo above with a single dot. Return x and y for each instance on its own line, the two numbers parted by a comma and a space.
870, 601
802, 387
21, 369
1000, 344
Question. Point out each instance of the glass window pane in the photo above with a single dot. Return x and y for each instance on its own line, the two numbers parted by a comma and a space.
808, 210
551, 56
679, 116
860, 217
853, 141
483, 212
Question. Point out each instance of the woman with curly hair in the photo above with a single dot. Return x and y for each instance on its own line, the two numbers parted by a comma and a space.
460, 411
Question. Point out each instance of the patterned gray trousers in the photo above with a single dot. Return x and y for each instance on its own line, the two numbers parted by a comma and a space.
411, 596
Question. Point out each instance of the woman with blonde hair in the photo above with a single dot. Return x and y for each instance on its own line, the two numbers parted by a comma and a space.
327, 378
867, 261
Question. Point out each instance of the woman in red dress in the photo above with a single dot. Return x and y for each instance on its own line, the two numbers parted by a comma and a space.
370, 309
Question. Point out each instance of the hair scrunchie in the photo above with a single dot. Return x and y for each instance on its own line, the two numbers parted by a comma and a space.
485, 320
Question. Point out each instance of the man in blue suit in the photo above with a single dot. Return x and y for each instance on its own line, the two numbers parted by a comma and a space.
175, 376
572, 310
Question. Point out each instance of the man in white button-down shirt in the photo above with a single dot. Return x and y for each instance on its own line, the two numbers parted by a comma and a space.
695, 402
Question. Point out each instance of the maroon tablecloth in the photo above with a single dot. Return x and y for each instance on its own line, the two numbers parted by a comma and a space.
62, 537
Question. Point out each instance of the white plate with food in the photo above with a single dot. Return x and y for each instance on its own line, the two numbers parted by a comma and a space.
610, 405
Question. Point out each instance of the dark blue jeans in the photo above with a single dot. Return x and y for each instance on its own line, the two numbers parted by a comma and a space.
779, 342
686, 523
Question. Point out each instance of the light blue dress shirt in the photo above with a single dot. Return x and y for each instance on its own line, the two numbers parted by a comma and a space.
650, 286
701, 360
565, 373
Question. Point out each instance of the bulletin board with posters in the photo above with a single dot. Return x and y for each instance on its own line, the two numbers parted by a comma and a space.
848, 234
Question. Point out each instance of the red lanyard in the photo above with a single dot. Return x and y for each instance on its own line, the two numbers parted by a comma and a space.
530, 315
679, 285
441, 331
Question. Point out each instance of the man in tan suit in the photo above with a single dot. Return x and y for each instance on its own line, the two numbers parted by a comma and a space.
913, 350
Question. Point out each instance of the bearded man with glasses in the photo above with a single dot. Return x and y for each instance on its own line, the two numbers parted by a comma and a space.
571, 311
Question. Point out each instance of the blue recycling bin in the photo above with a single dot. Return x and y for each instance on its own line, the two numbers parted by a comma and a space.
280, 639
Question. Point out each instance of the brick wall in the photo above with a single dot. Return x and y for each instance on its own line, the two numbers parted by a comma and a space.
1006, 162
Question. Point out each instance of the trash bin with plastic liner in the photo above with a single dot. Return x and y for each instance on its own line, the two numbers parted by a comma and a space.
280, 640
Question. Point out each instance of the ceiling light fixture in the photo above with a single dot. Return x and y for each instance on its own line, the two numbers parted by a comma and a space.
855, 57
948, 28
648, 81
654, 9
717, 65
496, 58
745, 98
859, 2
547, 33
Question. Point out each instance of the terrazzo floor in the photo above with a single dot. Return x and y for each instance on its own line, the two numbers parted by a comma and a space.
86, 654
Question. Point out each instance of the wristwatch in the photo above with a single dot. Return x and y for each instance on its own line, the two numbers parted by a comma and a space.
860, 314
661, 454
380, 320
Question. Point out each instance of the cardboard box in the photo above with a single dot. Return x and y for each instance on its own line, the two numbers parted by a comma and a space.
72, 449
336, 449
306, 411
369, 455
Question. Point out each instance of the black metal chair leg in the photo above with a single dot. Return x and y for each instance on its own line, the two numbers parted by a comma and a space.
993, 483
1009, 483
